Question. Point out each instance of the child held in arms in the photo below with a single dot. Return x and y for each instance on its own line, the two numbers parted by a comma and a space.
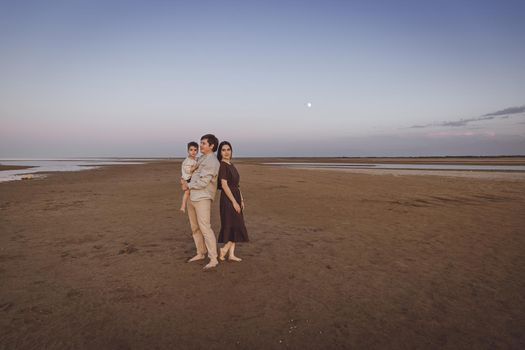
188, 167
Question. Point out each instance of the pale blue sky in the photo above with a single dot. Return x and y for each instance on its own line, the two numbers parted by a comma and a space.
142, 78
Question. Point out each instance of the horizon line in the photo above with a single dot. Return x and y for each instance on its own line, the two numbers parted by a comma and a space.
248, 157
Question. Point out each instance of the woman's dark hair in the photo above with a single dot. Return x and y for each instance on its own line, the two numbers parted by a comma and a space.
212, 140
194, 144
219, 155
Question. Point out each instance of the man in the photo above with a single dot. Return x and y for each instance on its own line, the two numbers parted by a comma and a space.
203, 186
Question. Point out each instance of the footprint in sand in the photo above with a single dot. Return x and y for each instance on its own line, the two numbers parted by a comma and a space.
128, 249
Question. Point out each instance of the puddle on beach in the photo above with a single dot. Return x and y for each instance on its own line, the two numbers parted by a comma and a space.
40, 166
460, 167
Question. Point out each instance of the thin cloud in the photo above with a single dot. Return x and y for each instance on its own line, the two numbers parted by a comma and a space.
463, 122
502, 114
510, 110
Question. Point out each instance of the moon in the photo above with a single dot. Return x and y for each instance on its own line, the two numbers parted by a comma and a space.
309, 105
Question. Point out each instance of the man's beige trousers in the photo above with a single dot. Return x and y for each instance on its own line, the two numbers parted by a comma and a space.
199, 213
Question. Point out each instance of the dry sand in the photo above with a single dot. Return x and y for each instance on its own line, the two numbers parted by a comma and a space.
96, 259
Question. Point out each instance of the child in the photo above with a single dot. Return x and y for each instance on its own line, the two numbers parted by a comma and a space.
188, 167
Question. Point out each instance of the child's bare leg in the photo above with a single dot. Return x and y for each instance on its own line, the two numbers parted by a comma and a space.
185, 197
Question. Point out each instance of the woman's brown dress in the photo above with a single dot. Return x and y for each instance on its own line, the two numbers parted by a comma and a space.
232, 223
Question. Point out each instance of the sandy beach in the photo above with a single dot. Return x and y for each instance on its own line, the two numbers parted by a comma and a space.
337, 259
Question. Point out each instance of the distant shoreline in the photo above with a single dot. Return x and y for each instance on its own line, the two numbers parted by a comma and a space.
471, 160
264, 157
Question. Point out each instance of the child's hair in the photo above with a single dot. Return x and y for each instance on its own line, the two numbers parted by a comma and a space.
194, 144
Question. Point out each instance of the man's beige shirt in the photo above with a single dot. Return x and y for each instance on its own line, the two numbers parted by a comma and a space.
203, 183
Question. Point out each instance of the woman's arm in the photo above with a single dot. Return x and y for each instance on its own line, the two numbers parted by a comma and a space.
242, 200
229, 194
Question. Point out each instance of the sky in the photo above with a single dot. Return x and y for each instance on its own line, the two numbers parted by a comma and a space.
275, 78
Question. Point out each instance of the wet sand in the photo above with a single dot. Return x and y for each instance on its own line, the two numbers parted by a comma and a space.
96, 259
477, 174
501, 160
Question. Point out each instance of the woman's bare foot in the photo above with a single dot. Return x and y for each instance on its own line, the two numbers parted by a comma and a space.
234, 258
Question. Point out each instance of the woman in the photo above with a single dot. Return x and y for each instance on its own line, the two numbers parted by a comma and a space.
233, 229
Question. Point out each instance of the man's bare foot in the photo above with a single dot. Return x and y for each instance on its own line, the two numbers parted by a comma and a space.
234, 258
222, 253
211, 265
197, 258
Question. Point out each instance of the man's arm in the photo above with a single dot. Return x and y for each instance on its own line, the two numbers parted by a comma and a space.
207, 173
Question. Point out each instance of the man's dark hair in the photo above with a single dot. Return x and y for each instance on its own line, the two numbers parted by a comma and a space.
219, 155
194, 144
212, 140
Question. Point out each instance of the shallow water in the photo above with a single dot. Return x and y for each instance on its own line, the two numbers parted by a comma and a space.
401, 166
56, 165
